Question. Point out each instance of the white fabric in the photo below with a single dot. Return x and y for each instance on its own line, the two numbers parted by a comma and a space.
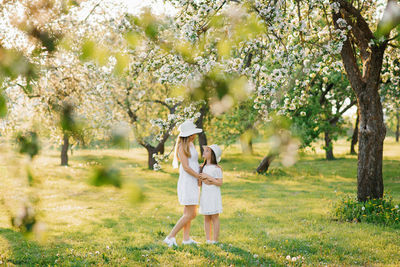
217, 151
188, 189
210, 199
175, 162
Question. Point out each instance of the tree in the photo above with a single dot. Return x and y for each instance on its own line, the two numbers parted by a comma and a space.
329, 97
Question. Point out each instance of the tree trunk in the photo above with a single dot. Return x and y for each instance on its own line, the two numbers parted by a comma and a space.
162, 149
365, 83
247, 144
398, 126
151, 151
265, 163
150, 158
371, 136
328, 146
354, 138
200, 124
64, 150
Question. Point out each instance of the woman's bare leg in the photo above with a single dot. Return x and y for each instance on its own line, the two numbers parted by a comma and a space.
207, 226
189, 213
215, 222
186, 231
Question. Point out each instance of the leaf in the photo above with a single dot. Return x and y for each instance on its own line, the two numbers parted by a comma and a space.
67, 120
3, 106
48, 40
106, 175
88, 49
28, 144
133, 39
136, 194
122, 63
390, 19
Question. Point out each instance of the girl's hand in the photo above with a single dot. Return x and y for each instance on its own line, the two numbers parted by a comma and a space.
199, 183
207, 182
211, 180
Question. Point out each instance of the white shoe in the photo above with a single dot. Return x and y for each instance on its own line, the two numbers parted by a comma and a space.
189, 242
211, 242
170, 241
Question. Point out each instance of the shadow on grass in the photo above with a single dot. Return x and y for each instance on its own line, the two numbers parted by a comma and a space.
27, 252
214, 255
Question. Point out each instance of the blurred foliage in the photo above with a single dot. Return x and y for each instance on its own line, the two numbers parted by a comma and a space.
28, 143
25, 220
13, 64
106, 175
3, 106
390, 20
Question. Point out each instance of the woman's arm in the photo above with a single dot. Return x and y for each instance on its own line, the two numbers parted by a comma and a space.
216, 181
211, 180
185, 163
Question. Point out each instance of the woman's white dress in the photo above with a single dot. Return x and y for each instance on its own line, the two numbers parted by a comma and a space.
210, 199
188, 188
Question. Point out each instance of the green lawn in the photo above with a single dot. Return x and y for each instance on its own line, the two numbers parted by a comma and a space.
265, 218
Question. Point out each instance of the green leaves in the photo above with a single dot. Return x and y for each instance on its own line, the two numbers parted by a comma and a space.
48, 40
106, 175
13, 64
390, 19
68, 122
148, 22
93, 51
28, 144
3, 106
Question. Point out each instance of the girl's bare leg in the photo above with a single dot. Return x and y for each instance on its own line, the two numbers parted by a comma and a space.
215, 222
189, 213
207, 226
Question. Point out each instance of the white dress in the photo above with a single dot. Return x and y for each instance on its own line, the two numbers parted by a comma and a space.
210, 199
188, 188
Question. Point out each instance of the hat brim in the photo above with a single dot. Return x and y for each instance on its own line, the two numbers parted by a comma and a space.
192, 132
218, 159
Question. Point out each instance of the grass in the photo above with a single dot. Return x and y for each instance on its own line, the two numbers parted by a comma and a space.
265, 218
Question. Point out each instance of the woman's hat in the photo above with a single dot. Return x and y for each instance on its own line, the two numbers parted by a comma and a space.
217, 151
188, 128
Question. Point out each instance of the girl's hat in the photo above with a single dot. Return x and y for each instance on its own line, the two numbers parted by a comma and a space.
188, 128
217, 151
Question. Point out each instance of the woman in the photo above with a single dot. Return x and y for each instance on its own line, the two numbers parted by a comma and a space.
188, 183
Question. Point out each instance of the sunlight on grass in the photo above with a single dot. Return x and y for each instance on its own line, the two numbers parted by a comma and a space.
265, 218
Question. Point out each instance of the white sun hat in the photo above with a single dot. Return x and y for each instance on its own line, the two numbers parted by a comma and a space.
217, 151
188, 128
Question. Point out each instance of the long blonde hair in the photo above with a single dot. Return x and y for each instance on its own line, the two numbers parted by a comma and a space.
185, 143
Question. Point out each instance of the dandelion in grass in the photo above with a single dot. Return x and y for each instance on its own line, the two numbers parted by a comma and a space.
288, 257
363, 208
294, 259
397, 206
255, 256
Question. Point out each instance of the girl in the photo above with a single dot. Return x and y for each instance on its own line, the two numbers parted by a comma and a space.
210, 199
188, 187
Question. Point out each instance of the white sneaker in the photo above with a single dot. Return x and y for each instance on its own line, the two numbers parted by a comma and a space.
189, 242
211, 242
170, 241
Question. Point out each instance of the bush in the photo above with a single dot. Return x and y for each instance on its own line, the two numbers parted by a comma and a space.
377, 211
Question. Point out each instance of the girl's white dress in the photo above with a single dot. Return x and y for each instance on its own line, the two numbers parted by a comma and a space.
188, 188
210, 199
